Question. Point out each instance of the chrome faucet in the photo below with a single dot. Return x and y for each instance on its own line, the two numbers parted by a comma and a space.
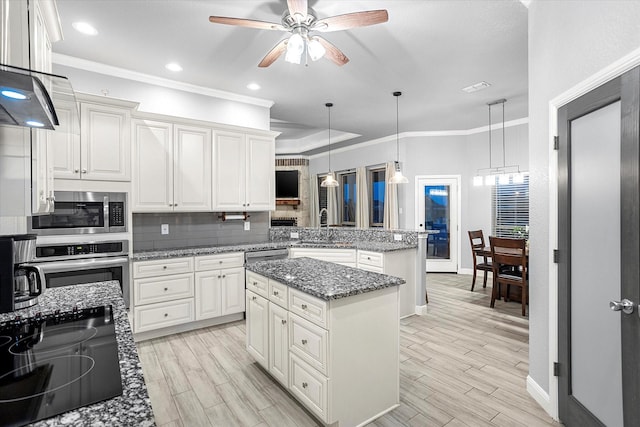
324, 210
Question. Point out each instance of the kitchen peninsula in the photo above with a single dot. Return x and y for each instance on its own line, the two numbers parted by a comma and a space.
329, 334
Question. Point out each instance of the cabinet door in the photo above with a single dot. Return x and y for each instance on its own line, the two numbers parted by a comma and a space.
278, 344
258, 328
152, 167
65, 143
229, 160
232, 290
208, 294
105, 147
192, 168
42, 173
260, 173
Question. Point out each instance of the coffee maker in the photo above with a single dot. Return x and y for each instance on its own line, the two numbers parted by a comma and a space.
20, 283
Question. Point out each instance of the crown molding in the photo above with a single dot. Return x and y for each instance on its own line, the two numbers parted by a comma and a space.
96, 67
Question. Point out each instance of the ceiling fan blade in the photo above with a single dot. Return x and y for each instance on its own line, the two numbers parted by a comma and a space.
250, 23
332, 53
351, 20
298, 7
273, 54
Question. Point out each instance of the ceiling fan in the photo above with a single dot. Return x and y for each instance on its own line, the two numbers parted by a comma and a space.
301, 21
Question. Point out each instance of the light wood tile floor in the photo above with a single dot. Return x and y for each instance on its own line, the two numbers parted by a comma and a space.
462, 364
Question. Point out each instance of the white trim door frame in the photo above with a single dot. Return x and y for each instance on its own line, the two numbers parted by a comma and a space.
443, 249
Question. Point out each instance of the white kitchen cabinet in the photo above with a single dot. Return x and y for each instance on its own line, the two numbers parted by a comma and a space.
244, 177
172, 167
219, 292
345, 257
257, 328
279, 343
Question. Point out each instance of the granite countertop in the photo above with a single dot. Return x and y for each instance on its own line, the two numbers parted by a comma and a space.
147, 255
133, 406
322, 279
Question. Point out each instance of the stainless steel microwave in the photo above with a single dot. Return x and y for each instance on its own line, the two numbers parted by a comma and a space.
83, 212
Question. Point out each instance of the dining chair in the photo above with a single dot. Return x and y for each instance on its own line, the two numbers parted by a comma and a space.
480, 259
509, 258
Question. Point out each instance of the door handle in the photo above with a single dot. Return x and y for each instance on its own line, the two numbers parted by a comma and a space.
625, 306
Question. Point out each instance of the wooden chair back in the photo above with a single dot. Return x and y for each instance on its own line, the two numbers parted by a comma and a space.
509, 267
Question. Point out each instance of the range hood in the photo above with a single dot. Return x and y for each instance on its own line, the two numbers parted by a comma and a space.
30, 98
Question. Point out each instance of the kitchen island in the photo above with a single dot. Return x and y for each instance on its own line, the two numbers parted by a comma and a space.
133, 406
329, 334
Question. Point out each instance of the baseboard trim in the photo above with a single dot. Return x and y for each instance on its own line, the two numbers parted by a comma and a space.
465, 271
540, 396
421, 310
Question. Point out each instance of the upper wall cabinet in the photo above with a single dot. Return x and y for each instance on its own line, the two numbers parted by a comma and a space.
103, 151
171, 167
244, 172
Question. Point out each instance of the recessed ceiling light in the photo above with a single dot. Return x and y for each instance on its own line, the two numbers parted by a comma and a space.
85, 28
173, 66
476, 87
253, 86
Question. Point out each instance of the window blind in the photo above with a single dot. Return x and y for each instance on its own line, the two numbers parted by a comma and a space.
510, 207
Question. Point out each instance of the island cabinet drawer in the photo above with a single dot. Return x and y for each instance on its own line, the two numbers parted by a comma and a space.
214, 262
372, 259
339, 256
309, 341
308, 307
371, 268
165, 288
162, 267
258, 284
279, 293
163, 314
309, 386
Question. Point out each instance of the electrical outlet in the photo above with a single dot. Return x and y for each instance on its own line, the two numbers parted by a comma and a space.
164, 229
400, 211
397, 237
247, 225
295, 235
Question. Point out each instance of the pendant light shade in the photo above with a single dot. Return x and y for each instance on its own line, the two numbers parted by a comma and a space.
398, 177
330, 179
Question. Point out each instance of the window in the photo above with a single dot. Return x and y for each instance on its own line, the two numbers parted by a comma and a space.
348, 198
376, 197
510, 203
322, 200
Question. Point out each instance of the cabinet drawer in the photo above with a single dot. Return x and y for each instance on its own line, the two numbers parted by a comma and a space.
258, 284
162, 267
279, 293
163, 314
371, 268
309, 386
309, 341
164, 288
214, 262
339, 256
373, 259
308, 307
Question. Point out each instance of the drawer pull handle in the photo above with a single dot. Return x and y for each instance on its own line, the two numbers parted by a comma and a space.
275, 293
369, 258
253, 298
220, 261
304, 306
166, 289
255, 283
218, 277
304, 342
224, 275
284, 322
166, 315
305, 385
164, 267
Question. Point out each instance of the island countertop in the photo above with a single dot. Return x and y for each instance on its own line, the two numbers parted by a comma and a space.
133, 407
321, 279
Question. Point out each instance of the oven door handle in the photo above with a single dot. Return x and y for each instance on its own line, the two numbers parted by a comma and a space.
80, 264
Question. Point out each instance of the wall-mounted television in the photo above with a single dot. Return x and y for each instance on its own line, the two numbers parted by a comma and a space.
287, 184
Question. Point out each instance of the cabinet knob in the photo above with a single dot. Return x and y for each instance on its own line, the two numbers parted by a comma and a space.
304, 306
275, 293
253, 298
255, 283
166, 289
219, 277
175, 204
369, 258
284, 322
304, 342
164, 267
84, 171
305, 385
224, 275
166, 315
220, 262
76, 170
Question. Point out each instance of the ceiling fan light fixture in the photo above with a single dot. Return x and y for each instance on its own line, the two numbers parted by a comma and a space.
295, 48
315, 48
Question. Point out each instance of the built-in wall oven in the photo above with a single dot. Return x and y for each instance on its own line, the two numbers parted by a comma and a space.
65, 264
83, 212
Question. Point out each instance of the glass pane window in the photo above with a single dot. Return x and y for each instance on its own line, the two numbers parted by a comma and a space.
376, 194
322, 200
437, 217
510, 206
348, 198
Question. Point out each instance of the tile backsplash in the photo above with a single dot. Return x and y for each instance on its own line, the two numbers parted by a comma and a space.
196, 229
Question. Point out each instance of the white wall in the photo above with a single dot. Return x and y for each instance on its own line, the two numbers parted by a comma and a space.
568, 42
439, 155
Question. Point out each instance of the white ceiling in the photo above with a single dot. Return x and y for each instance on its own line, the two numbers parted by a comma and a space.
429, 50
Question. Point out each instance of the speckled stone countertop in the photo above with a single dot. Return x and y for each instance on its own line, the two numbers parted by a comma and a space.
133, 407
248, 247
325, 280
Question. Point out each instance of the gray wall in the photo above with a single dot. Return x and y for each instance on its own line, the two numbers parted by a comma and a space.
196, 229
568, 42
441, 155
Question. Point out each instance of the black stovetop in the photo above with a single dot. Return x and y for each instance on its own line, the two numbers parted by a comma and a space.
55, 363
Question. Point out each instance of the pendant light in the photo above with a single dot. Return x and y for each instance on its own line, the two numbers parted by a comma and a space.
397, 177
330, 179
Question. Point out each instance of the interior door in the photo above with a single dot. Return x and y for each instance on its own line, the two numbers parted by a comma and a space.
599, 254
437, 210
